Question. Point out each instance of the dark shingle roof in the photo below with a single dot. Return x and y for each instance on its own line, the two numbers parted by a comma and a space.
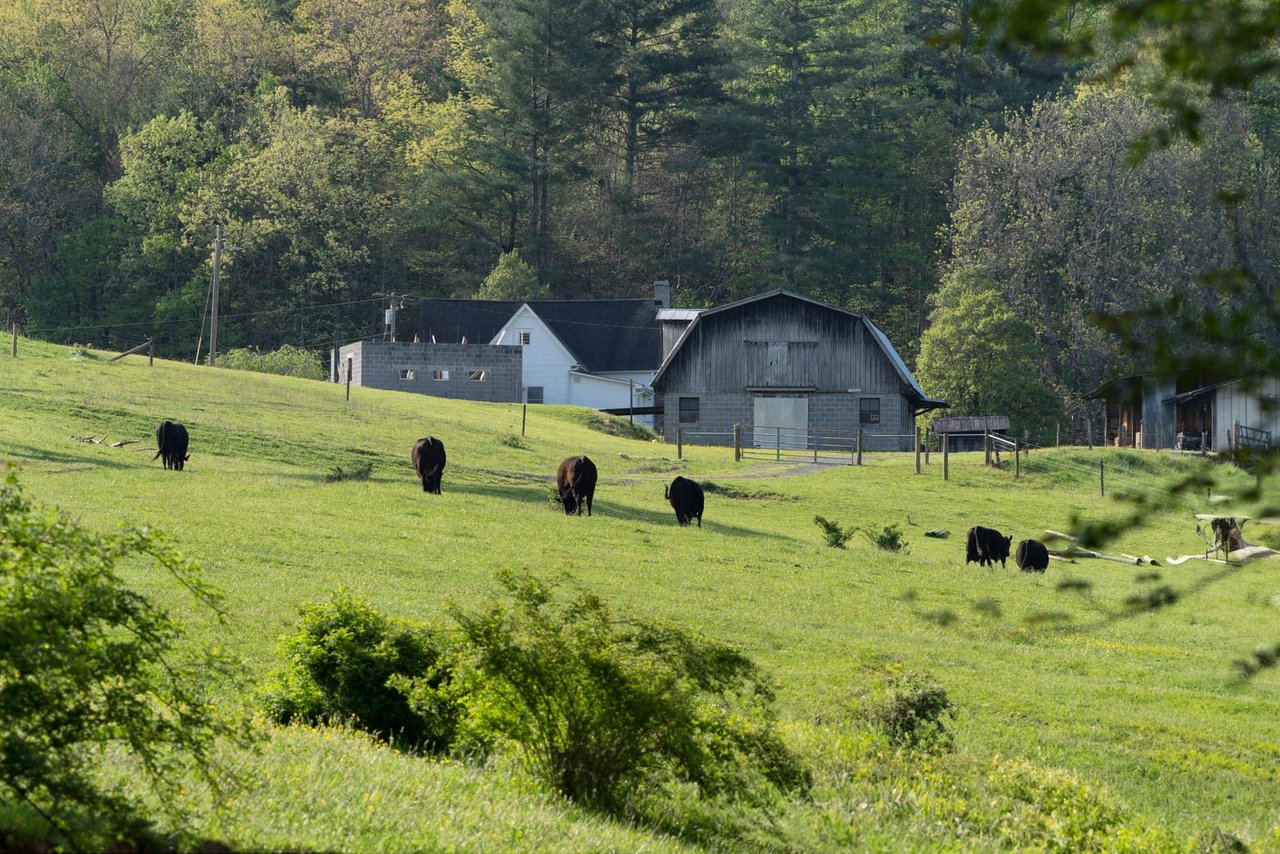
606, 334
451, 320
603, 335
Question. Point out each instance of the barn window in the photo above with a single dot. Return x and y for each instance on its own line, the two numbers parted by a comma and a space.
477, 376
689, 410
524, 336
869, 410
533, 394
406, 373
439, 374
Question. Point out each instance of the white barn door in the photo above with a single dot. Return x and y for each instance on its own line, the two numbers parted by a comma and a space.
781, 421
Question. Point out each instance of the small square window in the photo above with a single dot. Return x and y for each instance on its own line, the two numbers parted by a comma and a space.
869, 410
477, 376
441, 375
524, 336
533, 394
406, 373
689, 410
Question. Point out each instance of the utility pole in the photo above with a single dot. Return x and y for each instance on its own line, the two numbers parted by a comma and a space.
394, 304
213, 328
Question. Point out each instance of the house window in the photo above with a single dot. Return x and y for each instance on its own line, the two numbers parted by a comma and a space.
406, 373
441, 375
524, 336
688, 410
477, 376
533, 394
869, 410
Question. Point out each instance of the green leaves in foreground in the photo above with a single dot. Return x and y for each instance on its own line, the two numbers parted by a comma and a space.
607, 709
86, 663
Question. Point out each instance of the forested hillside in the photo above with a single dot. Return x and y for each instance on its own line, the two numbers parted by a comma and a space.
839, 148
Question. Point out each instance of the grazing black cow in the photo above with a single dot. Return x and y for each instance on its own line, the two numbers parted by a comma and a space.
576, 484
171, 444
986, 546
686, 499
428, 462
1031, 556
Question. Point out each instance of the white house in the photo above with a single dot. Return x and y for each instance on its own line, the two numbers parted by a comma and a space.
596, 353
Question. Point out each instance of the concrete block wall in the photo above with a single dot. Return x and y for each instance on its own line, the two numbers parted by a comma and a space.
415, 367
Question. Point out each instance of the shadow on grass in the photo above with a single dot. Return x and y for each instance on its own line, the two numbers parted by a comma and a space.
26, 452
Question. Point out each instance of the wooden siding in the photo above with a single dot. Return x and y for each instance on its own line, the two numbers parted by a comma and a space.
781, 343
1234, 404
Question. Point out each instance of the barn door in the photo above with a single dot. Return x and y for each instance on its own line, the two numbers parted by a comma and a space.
783, 420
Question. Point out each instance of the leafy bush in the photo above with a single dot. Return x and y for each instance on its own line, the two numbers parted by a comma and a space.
349, 663
912, 710
287, 361
833, 533
85, 661
511, 440
889, 539
608, 710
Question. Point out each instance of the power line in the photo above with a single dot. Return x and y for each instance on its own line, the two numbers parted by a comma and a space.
152, 323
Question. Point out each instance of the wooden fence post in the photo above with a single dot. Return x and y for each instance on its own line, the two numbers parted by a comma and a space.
348, 379
1235, 440
151, 353
859, 446
679, 444
737, 443
986, 447
917, 449
1102, 479
946, 457
524, 417
1017, 460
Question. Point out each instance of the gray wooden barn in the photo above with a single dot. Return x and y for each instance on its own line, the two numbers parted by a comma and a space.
790, 370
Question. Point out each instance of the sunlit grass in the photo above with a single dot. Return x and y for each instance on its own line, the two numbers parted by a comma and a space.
1142, 711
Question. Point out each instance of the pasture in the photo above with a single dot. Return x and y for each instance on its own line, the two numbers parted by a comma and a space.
1082, 722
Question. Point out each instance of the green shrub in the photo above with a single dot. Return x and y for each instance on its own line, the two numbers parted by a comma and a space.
611, 710
287, 361
833, 533
912, 711
348, 663
85, 661
889, 539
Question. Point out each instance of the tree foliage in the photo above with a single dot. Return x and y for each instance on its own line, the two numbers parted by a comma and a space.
87, 663
980, 358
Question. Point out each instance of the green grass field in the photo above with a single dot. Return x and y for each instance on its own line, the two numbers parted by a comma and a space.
1082, 724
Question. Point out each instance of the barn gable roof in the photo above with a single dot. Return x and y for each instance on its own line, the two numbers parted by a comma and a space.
602, 335
911, 387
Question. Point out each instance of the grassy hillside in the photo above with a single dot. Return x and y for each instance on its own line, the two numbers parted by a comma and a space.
1080, 723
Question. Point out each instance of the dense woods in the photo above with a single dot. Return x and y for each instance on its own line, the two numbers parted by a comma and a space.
871, 153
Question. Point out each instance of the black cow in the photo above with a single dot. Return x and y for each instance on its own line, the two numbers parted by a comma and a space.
986, 546
171, 444
428, 462
686, 499
1031, 556
576, 484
